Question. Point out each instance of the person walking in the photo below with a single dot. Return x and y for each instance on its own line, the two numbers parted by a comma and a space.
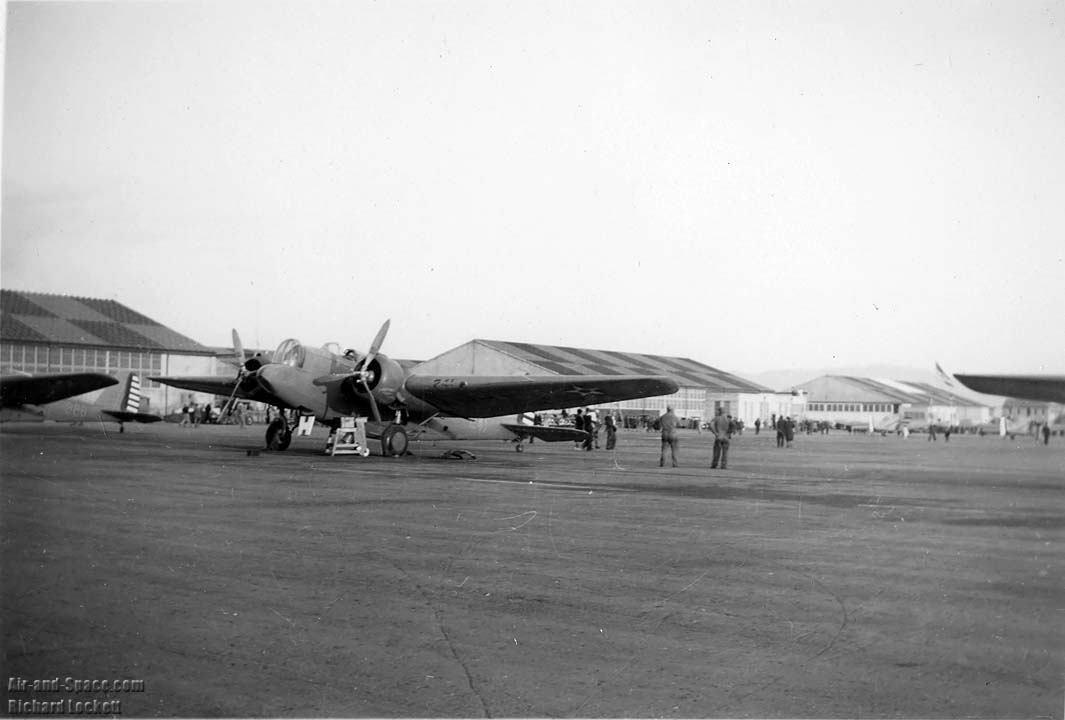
721, 427
781, 427
578, 424
757, 425
611, 432
589, 428
668, 423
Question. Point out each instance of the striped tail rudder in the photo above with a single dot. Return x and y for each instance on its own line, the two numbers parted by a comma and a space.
132, 401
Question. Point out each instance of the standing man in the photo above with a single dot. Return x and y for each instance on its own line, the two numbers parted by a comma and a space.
611, 432
578, 424
589, 428
668, 423
757, 425
721, 427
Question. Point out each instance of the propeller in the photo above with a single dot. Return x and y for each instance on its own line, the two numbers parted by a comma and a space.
375, 346
238, 350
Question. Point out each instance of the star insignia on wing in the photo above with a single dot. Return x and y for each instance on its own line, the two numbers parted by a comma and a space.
586, 394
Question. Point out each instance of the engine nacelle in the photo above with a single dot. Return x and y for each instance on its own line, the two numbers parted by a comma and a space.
384, 376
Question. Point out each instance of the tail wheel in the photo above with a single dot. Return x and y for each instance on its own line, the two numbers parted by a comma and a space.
394, 441
278, 436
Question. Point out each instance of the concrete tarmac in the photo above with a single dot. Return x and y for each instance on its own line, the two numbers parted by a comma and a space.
847, 576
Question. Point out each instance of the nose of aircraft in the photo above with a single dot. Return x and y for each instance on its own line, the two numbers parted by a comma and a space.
287, 384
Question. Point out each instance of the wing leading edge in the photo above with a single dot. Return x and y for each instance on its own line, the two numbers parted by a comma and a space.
204, 384
492, 396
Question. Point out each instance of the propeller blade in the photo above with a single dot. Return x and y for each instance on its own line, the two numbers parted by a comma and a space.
238, 349
228, 407
373, 402
378, 340
376, 344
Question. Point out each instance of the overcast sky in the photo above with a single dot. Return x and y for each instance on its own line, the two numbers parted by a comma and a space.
754, 185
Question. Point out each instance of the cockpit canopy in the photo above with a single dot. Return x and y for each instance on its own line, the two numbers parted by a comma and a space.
290, 352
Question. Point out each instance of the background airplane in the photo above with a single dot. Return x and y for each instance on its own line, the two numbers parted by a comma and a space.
402, 403
36, 398
1047, 388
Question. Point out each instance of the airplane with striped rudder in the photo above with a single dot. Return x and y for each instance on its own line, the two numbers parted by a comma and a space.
56, 397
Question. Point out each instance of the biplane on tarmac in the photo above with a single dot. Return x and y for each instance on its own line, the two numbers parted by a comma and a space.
400, 403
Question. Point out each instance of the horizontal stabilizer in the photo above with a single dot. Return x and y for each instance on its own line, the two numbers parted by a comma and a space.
126, 416
547, 433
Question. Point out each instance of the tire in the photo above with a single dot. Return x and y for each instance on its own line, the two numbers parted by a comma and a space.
394, 441
278, 436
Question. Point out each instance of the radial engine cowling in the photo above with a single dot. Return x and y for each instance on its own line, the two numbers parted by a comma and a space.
385, 378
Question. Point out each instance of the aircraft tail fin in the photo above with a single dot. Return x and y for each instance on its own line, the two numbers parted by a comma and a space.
130, 404
131, 400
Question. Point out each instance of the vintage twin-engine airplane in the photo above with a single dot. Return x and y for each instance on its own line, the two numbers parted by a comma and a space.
36, 398
400, 402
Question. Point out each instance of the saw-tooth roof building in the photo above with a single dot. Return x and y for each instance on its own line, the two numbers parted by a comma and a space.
702, 387
44, 333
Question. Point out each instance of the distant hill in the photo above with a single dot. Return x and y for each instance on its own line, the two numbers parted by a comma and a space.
785, 380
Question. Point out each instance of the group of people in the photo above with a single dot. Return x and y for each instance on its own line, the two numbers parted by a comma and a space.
193, 415
588, 421
721, 427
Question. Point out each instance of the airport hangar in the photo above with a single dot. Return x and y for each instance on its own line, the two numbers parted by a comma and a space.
703, 389
46, 333
43, 333
856, 401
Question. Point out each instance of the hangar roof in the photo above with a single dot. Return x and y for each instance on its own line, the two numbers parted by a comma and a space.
28, 317
847, 388
577, 361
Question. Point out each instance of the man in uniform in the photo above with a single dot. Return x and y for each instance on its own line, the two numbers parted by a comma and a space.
721, 427
668, 423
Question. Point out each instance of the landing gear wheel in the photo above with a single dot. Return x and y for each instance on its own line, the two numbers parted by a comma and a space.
278, 436
394, 441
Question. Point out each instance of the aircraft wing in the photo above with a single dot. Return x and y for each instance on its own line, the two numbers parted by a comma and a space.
1048, 388
547, 433
203, 383
490, 396
43, 389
